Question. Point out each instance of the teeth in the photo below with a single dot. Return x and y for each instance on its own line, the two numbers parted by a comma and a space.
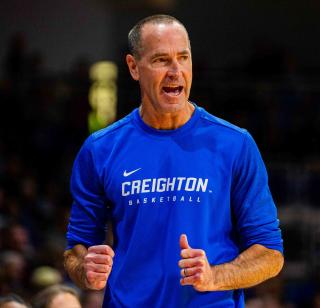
173, 89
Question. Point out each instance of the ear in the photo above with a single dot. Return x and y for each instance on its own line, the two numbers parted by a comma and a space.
132, 65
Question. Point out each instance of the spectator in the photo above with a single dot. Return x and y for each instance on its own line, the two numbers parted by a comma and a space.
57, 296
12, 301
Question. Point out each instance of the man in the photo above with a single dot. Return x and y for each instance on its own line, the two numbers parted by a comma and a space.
194, 221
12, 301
57, 296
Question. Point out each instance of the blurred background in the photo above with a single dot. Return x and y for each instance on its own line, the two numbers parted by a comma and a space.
63, 74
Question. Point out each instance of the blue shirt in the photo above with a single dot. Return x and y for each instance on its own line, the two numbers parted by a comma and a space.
205, 179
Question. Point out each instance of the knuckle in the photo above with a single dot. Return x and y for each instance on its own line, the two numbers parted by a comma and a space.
87, 257
89, 276
103, 259
197, 277
198, 262
109, 260
91, 248
102, 268
107, 269
201, 261
111, 252
184, 253
201, 270
105, 275
94, 248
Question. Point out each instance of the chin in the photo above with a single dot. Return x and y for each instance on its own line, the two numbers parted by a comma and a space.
172, 107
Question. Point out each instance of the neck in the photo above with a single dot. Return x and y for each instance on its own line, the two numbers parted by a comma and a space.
166, 121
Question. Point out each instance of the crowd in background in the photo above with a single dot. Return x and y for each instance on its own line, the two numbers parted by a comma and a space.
43, 122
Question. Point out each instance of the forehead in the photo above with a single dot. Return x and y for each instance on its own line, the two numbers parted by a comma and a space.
163, 36
64, 300
13, 305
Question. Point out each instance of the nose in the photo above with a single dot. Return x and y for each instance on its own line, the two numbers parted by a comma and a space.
174, 68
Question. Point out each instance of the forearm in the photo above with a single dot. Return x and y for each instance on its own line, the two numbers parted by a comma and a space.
253, 266
73, 263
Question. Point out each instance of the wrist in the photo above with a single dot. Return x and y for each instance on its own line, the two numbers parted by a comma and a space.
213, 285
216, 282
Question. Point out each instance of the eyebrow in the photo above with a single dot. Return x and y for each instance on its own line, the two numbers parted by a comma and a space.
163, 54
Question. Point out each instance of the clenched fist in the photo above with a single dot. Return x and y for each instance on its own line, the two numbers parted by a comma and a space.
97, 266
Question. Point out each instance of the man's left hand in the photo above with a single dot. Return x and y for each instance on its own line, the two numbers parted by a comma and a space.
195, 268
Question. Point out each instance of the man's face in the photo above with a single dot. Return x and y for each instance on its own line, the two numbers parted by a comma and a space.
164, 69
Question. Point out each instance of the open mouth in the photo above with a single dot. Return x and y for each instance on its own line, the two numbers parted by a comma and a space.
175, 91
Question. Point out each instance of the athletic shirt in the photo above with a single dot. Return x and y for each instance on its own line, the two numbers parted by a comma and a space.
205, 179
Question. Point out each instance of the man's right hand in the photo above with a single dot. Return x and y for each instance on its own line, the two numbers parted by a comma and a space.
97, 266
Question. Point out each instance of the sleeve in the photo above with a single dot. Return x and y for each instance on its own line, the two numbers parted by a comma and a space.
89, 213
252, 203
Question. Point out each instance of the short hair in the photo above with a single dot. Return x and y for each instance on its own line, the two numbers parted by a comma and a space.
45, 297
134, 36
12, 298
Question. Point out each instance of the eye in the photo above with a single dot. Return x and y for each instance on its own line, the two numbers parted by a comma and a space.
160, 60
184, 57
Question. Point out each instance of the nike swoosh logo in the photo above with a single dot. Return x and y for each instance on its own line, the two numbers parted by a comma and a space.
125, 173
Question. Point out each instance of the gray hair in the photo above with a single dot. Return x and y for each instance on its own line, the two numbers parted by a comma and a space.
134, 36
